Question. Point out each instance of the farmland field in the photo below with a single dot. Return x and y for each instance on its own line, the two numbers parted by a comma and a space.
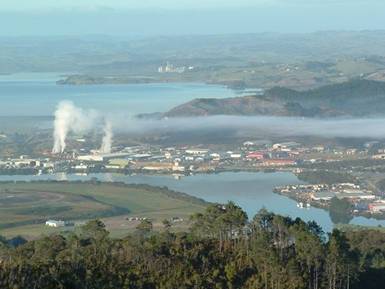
25, 206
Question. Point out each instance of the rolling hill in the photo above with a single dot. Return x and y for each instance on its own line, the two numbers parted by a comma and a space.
355, 98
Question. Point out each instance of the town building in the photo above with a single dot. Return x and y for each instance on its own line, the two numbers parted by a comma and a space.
377, 207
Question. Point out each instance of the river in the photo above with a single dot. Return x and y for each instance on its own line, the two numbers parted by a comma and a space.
251, 191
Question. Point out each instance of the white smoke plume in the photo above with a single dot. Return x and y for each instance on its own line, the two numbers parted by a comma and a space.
107, 138
69, 118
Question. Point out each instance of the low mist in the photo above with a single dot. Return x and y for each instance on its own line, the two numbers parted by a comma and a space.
276, 126
69, 118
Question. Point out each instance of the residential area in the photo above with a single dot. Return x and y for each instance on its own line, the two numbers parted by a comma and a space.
320, 195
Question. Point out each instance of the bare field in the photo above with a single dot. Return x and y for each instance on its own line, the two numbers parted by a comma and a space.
24, 207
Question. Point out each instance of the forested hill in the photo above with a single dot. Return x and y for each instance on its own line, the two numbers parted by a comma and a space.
357, 98
222, 250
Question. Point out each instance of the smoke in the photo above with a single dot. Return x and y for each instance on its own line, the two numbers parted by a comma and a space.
107, 138
69, 118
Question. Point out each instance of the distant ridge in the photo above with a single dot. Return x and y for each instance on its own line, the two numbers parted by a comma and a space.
355, 98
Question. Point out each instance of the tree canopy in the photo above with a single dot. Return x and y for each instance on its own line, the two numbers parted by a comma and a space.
223, 249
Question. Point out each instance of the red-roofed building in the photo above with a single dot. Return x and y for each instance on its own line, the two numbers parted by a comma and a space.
255, 156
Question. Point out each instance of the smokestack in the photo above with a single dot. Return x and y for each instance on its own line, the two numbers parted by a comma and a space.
107, 139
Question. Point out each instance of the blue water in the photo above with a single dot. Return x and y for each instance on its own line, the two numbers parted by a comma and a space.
251, 191
36, 94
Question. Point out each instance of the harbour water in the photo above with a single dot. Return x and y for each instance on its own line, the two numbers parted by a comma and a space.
37, 94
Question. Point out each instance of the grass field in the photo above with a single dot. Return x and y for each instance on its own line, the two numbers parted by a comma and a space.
24, 207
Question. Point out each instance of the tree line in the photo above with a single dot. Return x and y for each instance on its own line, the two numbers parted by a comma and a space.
222, 249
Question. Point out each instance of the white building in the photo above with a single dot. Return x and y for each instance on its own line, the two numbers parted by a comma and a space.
170, 68
215, 156
235, 156
197, 152
91, 158
54, 223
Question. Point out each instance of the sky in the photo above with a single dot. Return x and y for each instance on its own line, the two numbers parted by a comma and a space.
169, 17
36, 5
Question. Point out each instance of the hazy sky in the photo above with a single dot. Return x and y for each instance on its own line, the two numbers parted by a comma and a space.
130, 4
167, 4
149, 17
